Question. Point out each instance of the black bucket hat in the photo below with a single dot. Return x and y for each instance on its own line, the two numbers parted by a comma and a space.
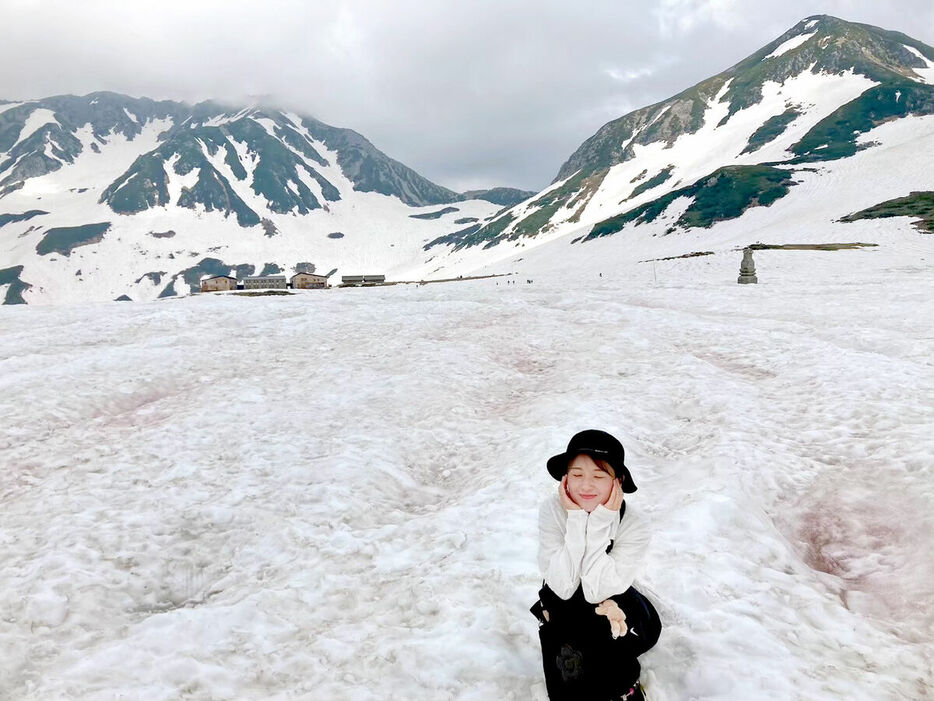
597, 444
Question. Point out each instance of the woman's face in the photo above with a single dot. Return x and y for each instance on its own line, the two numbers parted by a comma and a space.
588, 485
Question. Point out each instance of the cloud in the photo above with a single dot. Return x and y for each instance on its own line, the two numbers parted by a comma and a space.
628, 75
470, 94
679, 17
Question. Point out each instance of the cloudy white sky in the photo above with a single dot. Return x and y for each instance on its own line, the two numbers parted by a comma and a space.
470, 94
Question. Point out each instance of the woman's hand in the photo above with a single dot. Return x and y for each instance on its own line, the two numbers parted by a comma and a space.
566, 500
615, 500
615, 615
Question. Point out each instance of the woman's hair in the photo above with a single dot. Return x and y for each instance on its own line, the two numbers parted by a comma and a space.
599, 462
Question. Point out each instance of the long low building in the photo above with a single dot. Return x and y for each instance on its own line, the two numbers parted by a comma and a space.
265, 282
362, 280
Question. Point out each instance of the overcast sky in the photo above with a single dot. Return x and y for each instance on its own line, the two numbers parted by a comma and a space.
470, 94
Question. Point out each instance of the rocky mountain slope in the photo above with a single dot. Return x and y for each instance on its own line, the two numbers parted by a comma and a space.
107, 196
822, 93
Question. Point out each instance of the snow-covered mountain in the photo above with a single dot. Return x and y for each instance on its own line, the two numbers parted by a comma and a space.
831, 123
821, 136
105, 196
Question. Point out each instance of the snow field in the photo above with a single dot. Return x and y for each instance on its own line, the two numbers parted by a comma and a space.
790, 44
335, 495
8, 106
926, 73
37, 118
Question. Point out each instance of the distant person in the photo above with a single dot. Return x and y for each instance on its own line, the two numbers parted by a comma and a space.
593, 623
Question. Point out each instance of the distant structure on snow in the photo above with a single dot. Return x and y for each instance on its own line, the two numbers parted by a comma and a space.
308, 281
265, 282
218, 283
362, 280
301, 280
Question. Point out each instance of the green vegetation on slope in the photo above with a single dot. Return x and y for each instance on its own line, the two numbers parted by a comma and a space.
771, 129
139, 188
11, 124
25, 216
474, 235
544, 208
732, 190
144, 185
370, 170
14, 293
919, 205
848, 246
835, 136
276, 174
724, 194
29, 159
66, 238
654, 181
488, 233
434, 215
503, 196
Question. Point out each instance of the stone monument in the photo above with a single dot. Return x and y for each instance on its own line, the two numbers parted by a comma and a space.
747, 269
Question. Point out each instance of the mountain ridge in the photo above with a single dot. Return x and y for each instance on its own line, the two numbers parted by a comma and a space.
745, 94
889, 76
86, 182
88, 213
367, 167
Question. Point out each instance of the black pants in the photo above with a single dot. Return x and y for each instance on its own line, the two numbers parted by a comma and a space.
581, 659
577, 670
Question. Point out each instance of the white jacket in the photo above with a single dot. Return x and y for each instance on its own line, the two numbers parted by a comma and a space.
572, 549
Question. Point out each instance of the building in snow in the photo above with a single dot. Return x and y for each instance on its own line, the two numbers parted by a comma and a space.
264, 282
308, 281
217, 283
357, 280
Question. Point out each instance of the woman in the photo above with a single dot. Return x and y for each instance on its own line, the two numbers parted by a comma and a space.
594, 624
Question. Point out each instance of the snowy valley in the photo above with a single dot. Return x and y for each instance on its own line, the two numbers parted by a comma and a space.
334, 494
